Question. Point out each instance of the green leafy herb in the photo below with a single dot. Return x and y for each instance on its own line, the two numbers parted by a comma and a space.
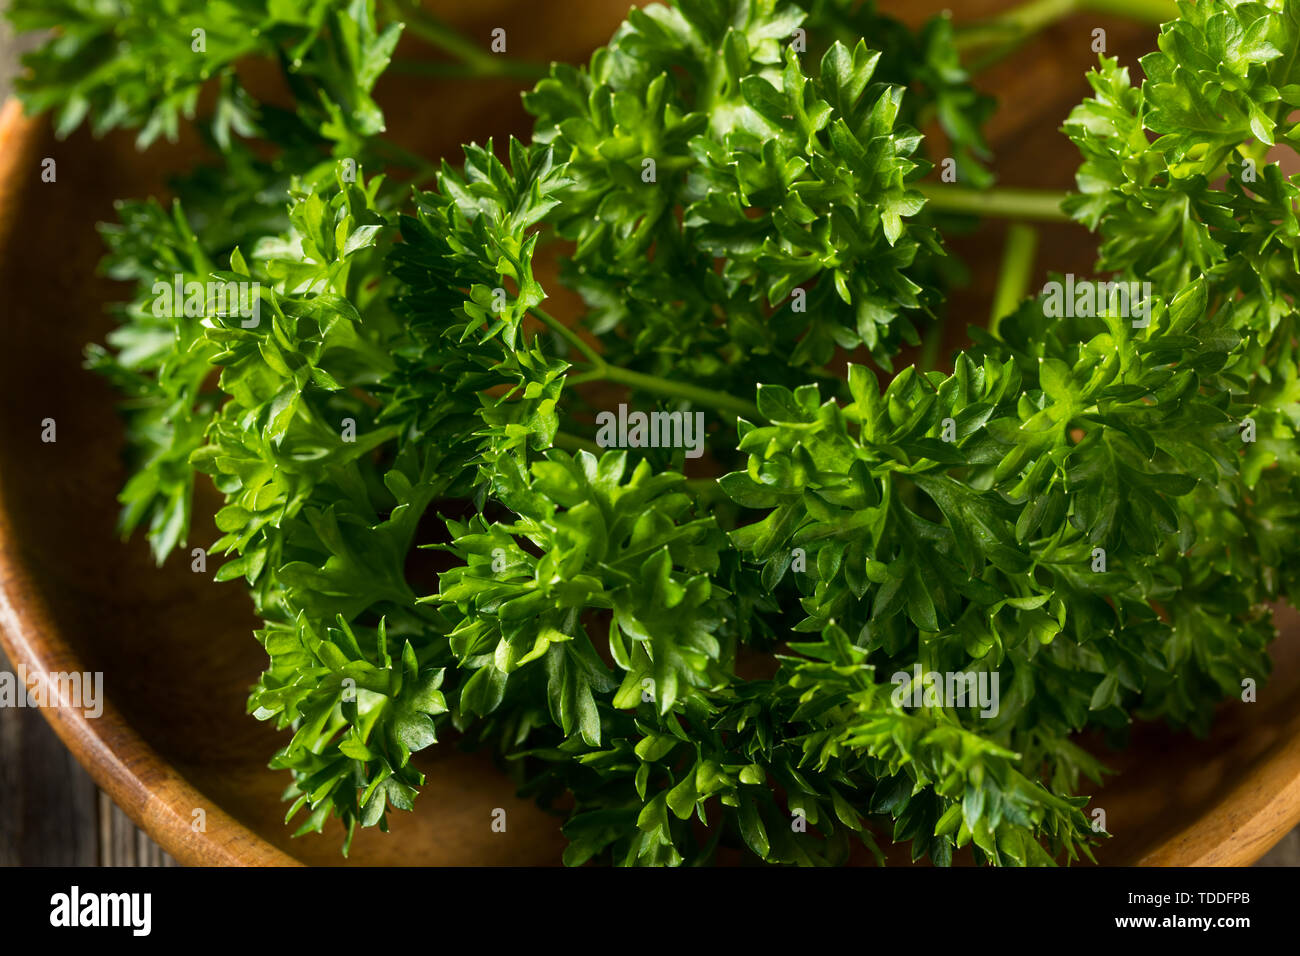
1091, 514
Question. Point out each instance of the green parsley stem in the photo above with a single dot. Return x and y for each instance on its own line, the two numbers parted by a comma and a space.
931, 344
1149, 11
600, 370
1043, 205
570, 336
571, 442
517, 69
478, 60
1020, 23
1014, 25
718, 401
1013, 278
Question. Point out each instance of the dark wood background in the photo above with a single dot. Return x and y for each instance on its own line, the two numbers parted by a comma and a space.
51, 812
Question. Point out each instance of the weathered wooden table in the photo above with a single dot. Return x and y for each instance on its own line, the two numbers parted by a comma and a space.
51, 812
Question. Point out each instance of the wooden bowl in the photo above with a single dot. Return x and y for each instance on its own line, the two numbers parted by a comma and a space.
176, 649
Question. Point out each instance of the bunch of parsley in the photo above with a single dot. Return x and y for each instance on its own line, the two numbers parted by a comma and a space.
1098, 512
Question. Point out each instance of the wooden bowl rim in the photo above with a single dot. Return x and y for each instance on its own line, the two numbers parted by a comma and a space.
1258, 810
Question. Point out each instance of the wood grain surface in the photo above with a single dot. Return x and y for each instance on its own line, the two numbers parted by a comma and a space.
51, 812
174, 747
